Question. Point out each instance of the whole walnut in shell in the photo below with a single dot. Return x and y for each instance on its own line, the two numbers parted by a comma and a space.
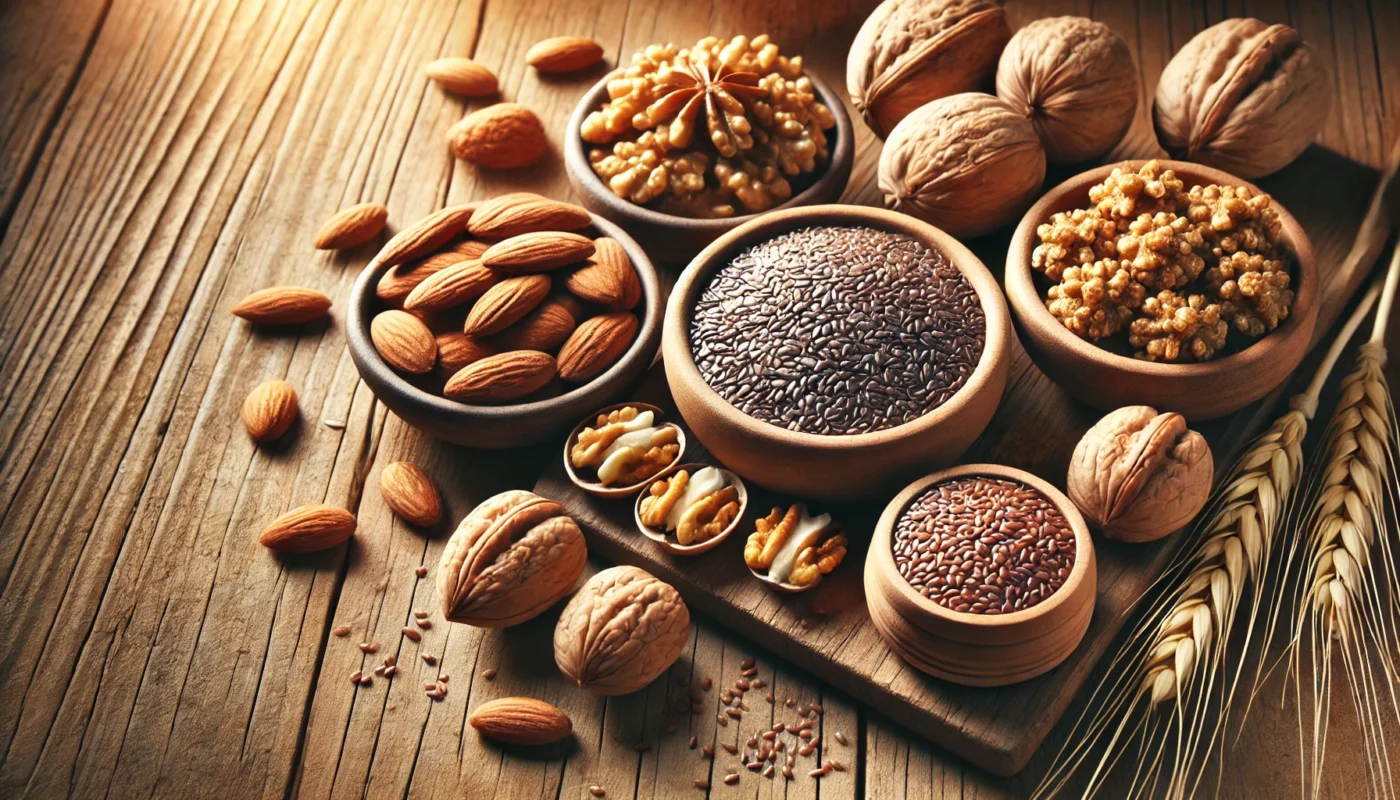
513, 556
623, 629
909, 52
1139, 475
967, 163
1075, 80
1242, 95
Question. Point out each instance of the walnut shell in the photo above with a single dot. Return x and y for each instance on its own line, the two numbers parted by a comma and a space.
1139, 475
1075, 80
623, 629
967, 163
513, 556
1242, 95
909, 52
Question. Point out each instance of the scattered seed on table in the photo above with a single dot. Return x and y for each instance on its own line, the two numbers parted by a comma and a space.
722, 721
413, 634
421, 572
379, 671
759, 683
779, 727
750, 672
752, 742
770, 735
694, 740
841, 737
804, 624
597, 791
430, 660
769, 698
788, 702
390, 660
754, 766
780, 746
817, 773
342, 630
701, 783
707, 751
731, 749
734, 712
672, 728
641, 747
805, 733
732, 778
355, 676
390, 671
746, 663
706, 683
836, 765
787, 771
742, 685
430, 685
806, 750
366, 647
366, 680
816, 708
443, 678
768, 771
816, 741
425, 624
420, 614
802, 710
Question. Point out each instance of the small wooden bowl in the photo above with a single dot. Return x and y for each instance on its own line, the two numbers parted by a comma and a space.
599, 490
1107, 380
791, 588
844, 467
978, 649
504, 426
670, 546
675, 239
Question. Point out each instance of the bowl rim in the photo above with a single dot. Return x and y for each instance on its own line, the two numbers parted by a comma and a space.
676, 333
586, 180
881, 547
368, 360
1029, 306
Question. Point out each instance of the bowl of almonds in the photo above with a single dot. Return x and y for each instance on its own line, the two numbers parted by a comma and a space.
494, 324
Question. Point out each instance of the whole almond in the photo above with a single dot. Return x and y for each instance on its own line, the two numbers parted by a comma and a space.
453, 286
400, 280
404, 341
283, 305
308, 529
500, 136
456, 350
521, 720
564, 54
506, 303
352, 226
426, 235
269, 410
596, 344
607, 277
501, 378
409, 493
462, 76
509, 216
540, 251
545, 328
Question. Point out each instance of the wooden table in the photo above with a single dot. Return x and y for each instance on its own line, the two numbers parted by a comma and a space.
160, 160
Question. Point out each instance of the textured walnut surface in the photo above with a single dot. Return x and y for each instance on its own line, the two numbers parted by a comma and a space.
620, 631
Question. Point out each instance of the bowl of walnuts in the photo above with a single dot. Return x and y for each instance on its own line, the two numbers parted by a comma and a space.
687, 143
1163, 283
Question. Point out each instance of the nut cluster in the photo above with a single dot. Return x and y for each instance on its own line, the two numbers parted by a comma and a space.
694, 508
713, 130
625, 447
794, 548
1177, 268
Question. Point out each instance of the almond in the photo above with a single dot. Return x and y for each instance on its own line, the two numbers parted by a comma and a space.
505, 303
453, 286
456, 350
501, 378
269, 410
605, 277
540, 251
403, 341
501, 136
308, 529
595, 345
425, 235
564, 54
283, 305
399, 281
352, 226
510, 216
521, 720
409, 493
462, 76
545, 328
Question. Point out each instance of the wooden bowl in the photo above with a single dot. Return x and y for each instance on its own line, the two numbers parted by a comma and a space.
977, 649
665, 541
610, 492
838, 467
675, 239
1107, 380
507, 425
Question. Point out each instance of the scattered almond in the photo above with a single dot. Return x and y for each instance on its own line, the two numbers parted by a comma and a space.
425, 235
545, 328
269, 410
283, 305
399, 281
540, 251
453, 286
456, 350
352, 226
506, 303
500, 136
462, 76
501, 378
512, 215
521, 720
409, 493
308, 529
404, 341
595, 345
564, 54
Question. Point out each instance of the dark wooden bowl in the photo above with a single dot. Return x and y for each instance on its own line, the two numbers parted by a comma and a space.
675, 239
978, 649
834, 467
1107, 380
504, 426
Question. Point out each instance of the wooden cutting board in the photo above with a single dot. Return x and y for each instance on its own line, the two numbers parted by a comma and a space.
828, 632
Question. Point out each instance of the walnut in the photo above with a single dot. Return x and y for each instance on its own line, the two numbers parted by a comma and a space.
1126, 194
708, 516
1253, 292
1177, 327
622, 630
966, 163
511, 558
909, 52
694, 508
793, 548
1242, 95
626, 447
1096, 300
1139, 475
1075, 80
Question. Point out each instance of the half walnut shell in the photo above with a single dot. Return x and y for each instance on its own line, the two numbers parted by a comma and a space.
621, 631
514, 556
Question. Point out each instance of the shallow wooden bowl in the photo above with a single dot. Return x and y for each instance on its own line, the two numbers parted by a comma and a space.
506, 425
834, 467
599, 490
979, 649
675, 239
1107, 380
709, 544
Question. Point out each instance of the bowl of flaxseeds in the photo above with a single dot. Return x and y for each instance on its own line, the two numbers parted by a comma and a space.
835, 351
982, 574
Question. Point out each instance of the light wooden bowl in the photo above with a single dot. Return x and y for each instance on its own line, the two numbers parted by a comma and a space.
978, 649
840, 467
675, 239
610, 492
1108, 380
670, 545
